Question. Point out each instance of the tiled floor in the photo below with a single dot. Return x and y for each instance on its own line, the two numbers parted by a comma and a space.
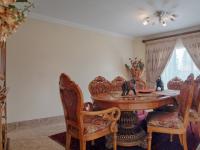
35, 138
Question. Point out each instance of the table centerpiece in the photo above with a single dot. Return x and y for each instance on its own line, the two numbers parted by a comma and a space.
137, 67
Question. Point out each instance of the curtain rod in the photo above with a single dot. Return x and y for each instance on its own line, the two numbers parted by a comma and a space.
169, 36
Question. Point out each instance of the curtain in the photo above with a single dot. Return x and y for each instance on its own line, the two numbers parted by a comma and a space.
180, 65
192, 44
157, 55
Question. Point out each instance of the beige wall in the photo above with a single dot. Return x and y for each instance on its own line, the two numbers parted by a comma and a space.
139, 51
40, 51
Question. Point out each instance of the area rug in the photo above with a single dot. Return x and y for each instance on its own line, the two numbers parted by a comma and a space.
160, 142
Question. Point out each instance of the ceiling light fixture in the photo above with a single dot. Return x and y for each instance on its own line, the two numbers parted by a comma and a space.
161, 17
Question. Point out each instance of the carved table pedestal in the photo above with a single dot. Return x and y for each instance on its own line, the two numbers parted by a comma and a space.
129, 131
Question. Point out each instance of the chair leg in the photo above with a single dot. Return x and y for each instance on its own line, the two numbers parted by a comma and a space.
82, 144
198, 127
114, 141
185, 142
171, 137
149, 140
68, 141
180, 138
191, 128
93, 142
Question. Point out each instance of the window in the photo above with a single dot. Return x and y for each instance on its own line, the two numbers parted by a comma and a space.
180, 65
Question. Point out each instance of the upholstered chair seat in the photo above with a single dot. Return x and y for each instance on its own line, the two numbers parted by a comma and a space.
194, 116
165, 119
93, 124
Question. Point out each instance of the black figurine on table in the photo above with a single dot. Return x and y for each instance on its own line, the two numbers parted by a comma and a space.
159, 84
127, 86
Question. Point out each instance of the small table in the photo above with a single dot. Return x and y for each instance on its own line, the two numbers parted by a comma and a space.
129, 133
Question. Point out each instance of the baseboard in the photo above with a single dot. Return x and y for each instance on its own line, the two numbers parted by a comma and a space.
35, 122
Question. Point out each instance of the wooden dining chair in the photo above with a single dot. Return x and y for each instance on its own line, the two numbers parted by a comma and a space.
173, 122
175, 83
194, 115
82, 124
116, 83
99, 85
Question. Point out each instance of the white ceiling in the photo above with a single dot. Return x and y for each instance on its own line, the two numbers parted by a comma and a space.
120, 16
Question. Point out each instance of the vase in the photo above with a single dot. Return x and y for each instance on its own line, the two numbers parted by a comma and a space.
136, 73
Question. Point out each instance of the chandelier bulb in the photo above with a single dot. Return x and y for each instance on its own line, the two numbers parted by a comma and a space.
173, 17
164, 24
145, 22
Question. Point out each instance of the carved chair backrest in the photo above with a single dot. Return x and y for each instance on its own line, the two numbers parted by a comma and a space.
72, 100
196, 96
175, 83
99, 86
186, 96
117, 83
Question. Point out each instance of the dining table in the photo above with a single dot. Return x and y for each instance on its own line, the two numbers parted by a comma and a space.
130, 133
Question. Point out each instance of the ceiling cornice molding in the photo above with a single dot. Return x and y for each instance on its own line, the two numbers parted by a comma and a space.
76, 25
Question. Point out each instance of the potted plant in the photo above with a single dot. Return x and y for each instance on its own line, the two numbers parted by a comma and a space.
137, 67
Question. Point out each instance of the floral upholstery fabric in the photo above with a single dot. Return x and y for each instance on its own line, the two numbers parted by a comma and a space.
194, 115
196, 96
95, 123
165, 119
186, 95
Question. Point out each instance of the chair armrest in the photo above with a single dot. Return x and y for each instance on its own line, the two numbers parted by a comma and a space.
111, 114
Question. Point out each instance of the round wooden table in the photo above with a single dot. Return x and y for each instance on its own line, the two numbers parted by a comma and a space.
129, 133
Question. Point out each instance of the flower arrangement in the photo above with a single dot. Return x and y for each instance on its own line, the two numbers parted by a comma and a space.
12, 14
136, 68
